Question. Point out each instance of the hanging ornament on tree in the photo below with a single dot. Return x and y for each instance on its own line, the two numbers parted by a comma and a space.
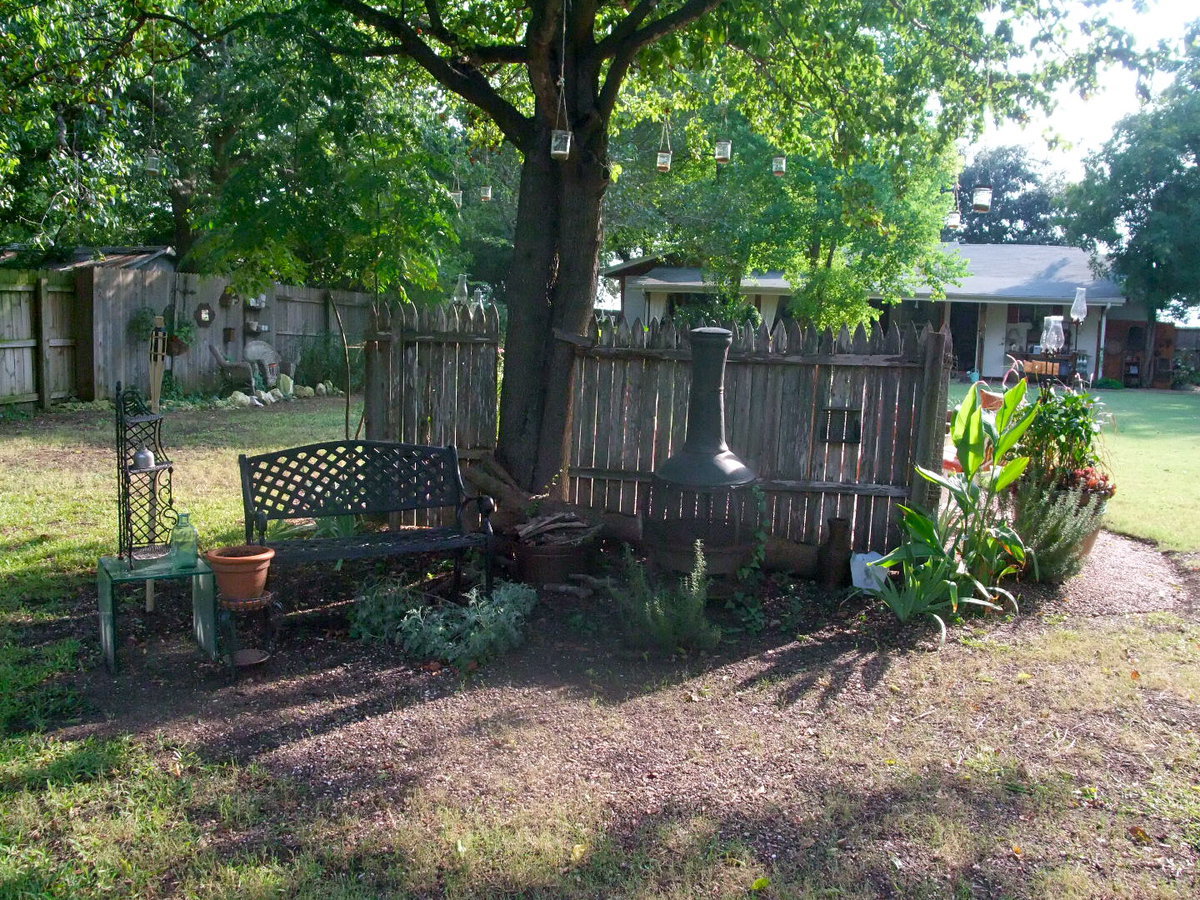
663, 161
485, 194
779, 166
723, 151
560, 137
456, 194
560, 143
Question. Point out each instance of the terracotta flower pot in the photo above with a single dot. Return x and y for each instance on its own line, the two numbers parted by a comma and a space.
241, 571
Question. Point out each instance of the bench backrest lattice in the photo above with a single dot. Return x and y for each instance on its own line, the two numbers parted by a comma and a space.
338, 478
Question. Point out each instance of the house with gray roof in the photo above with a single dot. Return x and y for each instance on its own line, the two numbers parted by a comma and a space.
996, 311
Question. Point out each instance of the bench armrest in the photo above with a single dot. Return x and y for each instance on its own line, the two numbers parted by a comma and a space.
486, 506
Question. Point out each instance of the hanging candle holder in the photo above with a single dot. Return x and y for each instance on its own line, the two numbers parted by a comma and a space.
663, 160
1079, 308
560, 137
981, 199
779, 166
560, 143
456, 195
723, 152
954, 219
485, 194
152, 162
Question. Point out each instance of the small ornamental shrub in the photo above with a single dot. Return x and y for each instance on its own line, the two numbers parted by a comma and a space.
670, 617
462, 635
1054, 524
1108, 384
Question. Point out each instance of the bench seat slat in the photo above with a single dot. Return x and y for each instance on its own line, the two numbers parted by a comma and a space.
387, 543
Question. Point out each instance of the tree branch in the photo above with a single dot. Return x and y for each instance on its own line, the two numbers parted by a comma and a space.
457, 75
630, 35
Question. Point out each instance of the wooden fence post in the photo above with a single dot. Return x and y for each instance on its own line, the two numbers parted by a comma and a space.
377, 352
931, 418
41, 313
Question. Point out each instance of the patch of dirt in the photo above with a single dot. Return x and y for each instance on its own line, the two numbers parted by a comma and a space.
1123, 576
791, 740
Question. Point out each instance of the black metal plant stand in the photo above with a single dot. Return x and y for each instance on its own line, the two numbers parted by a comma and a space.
144, 509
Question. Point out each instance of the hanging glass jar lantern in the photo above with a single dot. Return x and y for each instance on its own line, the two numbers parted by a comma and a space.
723, 151
1079, 307
1052, 334
981, 199
954, 219
460, 295
560, 143
456, 198
662, 161
779, 166
152, 162
485, 194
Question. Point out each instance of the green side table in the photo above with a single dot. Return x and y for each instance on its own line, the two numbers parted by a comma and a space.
115, 571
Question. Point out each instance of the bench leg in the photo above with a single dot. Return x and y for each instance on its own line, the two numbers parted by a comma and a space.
458, 560
487, 567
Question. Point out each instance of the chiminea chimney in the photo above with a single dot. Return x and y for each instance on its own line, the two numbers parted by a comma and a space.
703, 492
706, 460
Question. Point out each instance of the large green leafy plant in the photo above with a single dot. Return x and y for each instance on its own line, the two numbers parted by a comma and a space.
961, 555
1064, 437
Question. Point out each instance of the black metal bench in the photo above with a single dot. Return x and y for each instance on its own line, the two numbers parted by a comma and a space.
340, 478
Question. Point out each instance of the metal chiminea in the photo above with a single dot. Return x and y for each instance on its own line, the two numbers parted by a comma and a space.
703, 492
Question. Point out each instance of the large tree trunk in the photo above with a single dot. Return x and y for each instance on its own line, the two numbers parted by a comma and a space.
552, 285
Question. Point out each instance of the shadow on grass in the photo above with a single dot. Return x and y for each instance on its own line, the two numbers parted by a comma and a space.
916, 835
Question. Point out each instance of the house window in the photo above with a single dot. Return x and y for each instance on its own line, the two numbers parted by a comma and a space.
675, 301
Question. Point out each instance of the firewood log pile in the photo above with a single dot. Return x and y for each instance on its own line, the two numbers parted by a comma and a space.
544, 520
557, 529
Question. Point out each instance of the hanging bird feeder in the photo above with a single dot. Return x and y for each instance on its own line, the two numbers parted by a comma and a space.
723, 151
779, 166
981, 199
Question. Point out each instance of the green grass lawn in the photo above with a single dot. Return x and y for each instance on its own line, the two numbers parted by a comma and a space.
1056, 756
58, 509
1152, 447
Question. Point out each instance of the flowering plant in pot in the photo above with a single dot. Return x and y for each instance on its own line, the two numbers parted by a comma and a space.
241, 571
1058, 508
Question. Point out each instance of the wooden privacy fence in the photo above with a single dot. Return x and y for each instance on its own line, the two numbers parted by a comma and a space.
38, 336
831, 423
431, 377
66, 334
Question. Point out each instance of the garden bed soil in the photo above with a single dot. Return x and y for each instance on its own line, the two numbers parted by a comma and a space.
760, 737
